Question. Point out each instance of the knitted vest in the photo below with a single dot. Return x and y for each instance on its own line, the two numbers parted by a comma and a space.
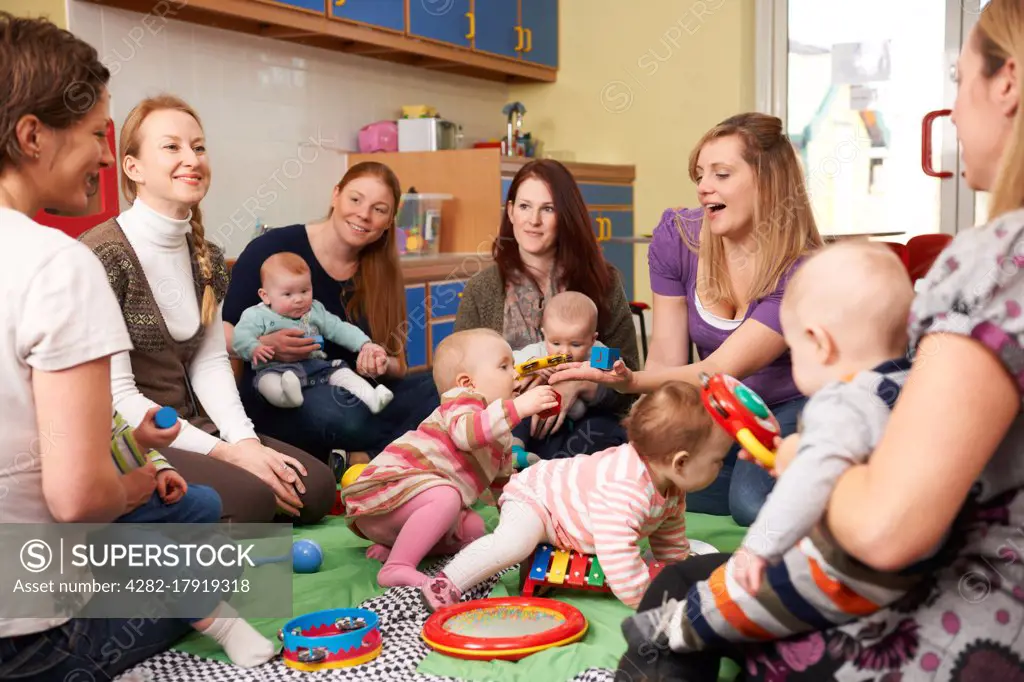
159, 363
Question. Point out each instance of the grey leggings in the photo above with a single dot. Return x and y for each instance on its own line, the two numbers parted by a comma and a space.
247, 499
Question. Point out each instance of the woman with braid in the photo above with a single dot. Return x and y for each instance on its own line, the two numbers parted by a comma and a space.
170, 283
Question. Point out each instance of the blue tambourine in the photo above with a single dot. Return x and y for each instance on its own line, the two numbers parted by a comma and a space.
335, 638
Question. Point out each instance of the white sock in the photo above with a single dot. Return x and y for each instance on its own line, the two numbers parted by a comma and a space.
359, 387
292, 388
384, 396
241, 642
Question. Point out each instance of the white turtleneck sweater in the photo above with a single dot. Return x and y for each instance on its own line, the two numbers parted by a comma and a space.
160, 245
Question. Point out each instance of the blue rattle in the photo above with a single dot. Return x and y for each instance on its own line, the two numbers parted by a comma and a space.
166, 417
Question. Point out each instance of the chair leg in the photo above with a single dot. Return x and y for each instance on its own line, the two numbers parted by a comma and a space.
643, 336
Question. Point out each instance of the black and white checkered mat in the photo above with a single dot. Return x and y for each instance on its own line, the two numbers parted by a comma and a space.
402, 615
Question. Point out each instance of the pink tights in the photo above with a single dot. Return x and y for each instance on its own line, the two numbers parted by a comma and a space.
432, 522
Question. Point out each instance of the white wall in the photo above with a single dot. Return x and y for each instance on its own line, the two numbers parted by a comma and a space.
272, 111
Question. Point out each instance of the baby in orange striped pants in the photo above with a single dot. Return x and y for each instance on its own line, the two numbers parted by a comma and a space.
604, 503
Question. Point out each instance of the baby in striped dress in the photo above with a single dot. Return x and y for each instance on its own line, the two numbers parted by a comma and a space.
415, 497
849, 348
604, 503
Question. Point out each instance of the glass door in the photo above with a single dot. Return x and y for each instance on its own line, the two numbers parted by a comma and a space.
865, 96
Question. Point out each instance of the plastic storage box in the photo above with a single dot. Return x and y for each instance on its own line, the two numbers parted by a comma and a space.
419, 223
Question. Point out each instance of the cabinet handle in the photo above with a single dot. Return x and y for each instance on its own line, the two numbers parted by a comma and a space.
339, 3
472, 26
608, 225
519, 32
529, 40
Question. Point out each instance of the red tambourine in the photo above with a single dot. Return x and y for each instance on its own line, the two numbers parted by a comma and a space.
742, 413
506, 628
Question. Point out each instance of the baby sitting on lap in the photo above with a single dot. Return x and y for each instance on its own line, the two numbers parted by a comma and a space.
844, 318
288, 303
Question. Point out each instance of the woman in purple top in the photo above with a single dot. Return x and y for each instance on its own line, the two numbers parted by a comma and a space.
718, 274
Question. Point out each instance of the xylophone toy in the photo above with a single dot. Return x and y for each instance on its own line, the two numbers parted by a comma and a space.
567, 569
336, 638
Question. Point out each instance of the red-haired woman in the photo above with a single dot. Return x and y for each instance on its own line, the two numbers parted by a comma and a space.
353, 261
545, 246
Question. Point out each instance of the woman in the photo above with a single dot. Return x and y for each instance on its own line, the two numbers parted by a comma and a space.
170, 281
353, 259
59, 326
964, 623
546, 245
718, 275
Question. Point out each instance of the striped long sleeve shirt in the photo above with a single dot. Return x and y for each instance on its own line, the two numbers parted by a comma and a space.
604, 504
126, 451
465, 443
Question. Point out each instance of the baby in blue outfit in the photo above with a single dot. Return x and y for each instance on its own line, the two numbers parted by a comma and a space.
288, 303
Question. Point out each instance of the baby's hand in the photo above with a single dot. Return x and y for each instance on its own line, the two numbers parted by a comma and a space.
262, 353
170, 485
785, 452
748, 569
535, 401
149, 436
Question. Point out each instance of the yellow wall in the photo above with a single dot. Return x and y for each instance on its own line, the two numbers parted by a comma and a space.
52, 9
639, 82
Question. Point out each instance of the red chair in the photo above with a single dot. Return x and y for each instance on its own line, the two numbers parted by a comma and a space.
902, 251
923, 250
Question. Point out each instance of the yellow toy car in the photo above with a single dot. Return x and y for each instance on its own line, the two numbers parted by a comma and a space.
536, 364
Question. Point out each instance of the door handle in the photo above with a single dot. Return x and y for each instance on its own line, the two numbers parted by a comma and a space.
472, 26
519, 43
926, 143
529, 39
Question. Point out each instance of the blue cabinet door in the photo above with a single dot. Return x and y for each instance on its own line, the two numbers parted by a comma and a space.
445, 21
318, 6
497, 27
383, 13
439, 331
540, 25
416, 321
621, 256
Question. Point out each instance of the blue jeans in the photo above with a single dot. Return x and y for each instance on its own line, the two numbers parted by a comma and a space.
742, 487
595, 432
87, 648
331, 417
201, 504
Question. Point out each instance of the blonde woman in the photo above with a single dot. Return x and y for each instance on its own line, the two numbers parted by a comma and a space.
170, 282
718, 274
951, 461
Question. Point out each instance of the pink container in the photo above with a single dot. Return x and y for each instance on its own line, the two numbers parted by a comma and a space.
381, 136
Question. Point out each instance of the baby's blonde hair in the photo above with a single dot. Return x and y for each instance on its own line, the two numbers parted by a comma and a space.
857, 289
571, 306
454, 355
670, 419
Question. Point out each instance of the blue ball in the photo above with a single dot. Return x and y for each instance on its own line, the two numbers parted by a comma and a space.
166, 417
307, 557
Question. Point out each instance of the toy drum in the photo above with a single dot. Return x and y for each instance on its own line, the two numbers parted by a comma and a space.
336, 638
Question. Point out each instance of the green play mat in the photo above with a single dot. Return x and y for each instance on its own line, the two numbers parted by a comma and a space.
347, 578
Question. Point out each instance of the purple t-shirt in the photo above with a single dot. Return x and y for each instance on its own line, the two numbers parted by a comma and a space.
673, 268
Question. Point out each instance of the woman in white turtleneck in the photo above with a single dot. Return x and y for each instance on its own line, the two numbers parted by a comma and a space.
170, 283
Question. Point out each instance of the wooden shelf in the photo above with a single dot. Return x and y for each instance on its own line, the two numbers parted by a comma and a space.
444, 266
581, 172
317, 30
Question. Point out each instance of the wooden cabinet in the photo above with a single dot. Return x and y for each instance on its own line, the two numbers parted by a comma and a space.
444, 21
317, 6
389, 14
511, 41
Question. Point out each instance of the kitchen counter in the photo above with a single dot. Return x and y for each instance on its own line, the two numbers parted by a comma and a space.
443, 266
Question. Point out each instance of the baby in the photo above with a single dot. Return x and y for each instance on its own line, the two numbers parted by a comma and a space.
603, 503
844, 318
288, 303
569, 325
414, 498
174, 501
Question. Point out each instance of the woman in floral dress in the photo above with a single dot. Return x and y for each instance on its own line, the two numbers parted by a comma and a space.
951, 464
